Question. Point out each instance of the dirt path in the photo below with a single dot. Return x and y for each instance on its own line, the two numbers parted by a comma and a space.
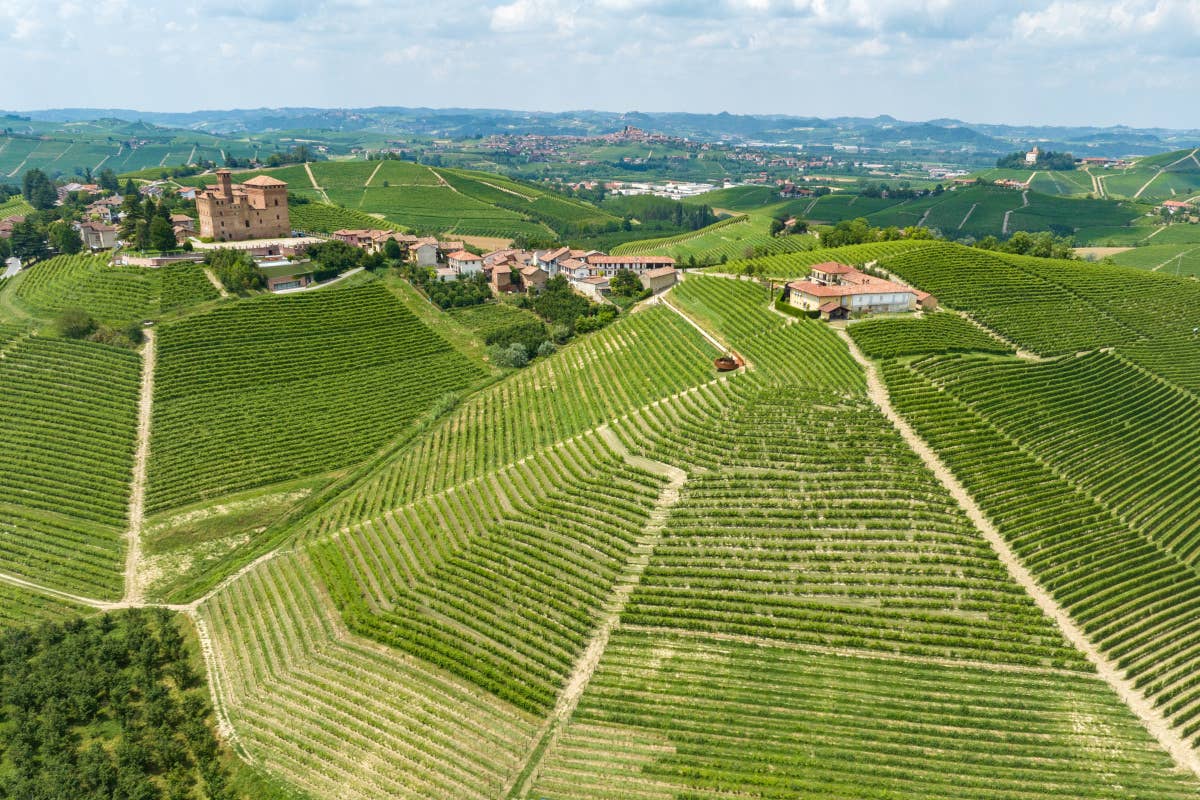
585, 665
220, 287
374, 172
137, 490
216, 688
970, 211
315, 185
1145, 711
925, 216
1176, 257
508, 191
1161, 170
191, 156
710, 338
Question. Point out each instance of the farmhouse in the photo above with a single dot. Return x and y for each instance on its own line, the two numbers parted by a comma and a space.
657, 280
838, 290
236, 212
611, 265
1177, 207
1032, 156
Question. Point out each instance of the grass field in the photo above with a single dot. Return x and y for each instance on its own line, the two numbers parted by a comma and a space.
277, 388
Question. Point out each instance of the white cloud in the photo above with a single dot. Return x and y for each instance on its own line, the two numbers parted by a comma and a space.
852, 56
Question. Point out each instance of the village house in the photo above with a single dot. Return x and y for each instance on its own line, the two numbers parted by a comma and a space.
425, 252
256, 209
838, 290
183, 221
105, 209
464, 263
594, 287
1031, 158
1177, 207
6, 225
98, 236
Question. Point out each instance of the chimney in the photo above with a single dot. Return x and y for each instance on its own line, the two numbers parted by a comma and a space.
225, 182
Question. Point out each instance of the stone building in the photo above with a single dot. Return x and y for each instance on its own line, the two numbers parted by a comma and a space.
235, 212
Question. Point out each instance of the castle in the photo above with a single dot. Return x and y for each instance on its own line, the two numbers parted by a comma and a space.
235, 212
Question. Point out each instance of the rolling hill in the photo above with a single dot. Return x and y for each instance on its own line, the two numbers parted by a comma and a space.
427, 199
948, 556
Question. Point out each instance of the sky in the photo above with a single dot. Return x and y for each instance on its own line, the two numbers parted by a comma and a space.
1069, 62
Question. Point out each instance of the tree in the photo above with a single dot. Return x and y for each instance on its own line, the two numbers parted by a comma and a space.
392, 249
335, 255
235, 270
28, 242
39, 190
75, 323
625, 283
161, 234
64, 238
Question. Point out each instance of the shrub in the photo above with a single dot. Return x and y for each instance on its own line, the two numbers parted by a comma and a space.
515, 355
547, 348
75, 323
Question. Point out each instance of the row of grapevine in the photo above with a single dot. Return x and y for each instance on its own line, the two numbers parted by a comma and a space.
19, 607
326, 218
342, 717
932, 333
674, 715
68, 427
786, 350
816, 524
633, 362
1036, 313
1163, 309
1135, 599
501, 582
277, 388
1094, 419
112, 294
787, 266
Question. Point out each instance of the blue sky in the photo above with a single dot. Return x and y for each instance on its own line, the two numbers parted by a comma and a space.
1039, 61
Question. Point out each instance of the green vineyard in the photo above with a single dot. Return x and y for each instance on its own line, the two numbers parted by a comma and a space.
67, 460
111, 294
932, 333
633, 362
277, 388
947, 555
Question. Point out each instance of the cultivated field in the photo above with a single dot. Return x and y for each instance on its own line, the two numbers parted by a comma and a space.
69, 412
902, 560
276, 388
